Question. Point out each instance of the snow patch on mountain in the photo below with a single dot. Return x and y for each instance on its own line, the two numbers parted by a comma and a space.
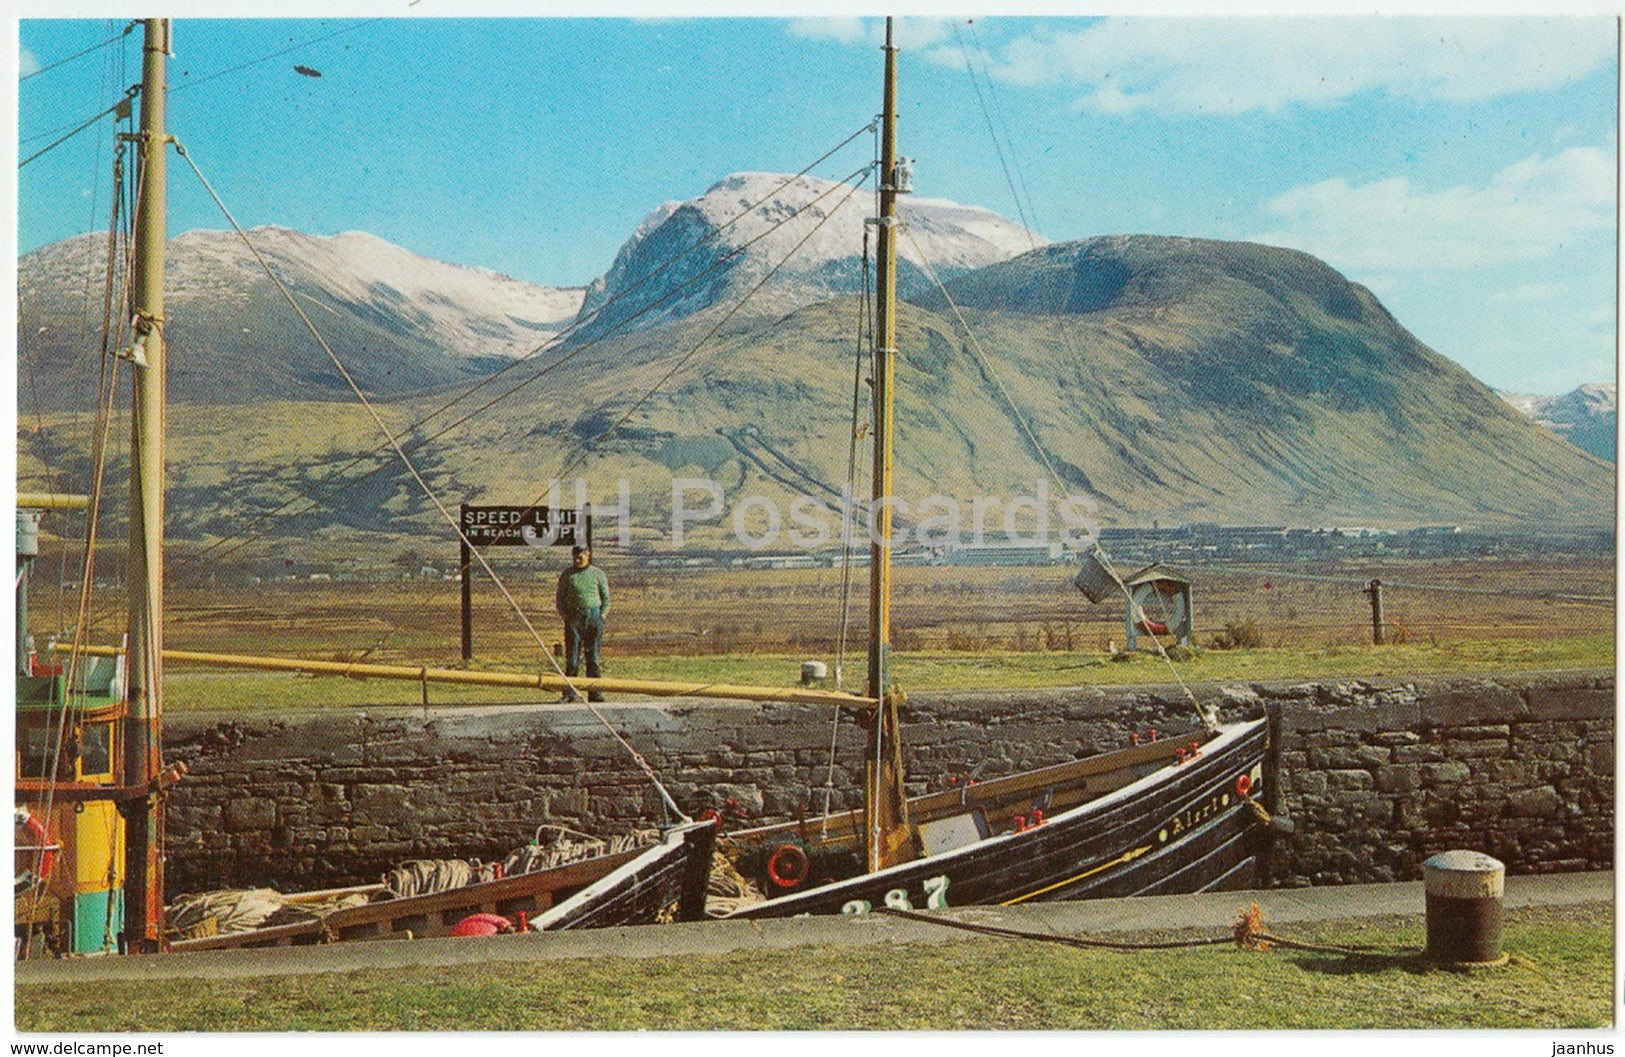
471, 313
1586, 416
799, 237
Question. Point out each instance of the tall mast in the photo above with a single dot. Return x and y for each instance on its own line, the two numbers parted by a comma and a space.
143, 728
885, 814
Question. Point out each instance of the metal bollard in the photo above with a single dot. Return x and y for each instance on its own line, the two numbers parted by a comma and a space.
1464, 891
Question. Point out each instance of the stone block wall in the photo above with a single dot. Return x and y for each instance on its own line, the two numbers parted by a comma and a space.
1377, 775
1380, 778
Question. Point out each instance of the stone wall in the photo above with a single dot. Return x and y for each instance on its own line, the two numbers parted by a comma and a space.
1377, 775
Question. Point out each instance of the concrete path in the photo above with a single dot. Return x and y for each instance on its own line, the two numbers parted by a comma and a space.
1214, 911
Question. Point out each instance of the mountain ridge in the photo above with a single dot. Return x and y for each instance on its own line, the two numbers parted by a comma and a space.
1587, 416
399, 321
1165, 378
796, 238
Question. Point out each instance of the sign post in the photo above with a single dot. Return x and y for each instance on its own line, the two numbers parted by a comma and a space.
513, 526
465, 573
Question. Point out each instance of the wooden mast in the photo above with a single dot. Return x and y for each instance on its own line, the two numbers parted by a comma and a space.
143, 726
887, 839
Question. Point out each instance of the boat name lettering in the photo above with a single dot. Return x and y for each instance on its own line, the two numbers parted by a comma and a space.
1194, 816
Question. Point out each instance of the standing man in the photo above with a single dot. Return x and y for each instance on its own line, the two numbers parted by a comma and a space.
583, 602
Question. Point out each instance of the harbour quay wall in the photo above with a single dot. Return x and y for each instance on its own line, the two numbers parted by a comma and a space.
1376, 774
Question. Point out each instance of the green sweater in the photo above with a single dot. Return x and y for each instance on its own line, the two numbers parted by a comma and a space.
583, 589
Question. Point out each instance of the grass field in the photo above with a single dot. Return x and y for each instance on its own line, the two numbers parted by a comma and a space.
954, 628
212, 690
1559, 976
957, 609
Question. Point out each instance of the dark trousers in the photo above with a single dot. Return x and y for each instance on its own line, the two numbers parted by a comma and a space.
582, 631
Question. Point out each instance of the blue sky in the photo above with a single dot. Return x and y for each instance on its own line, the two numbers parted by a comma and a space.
1464, 169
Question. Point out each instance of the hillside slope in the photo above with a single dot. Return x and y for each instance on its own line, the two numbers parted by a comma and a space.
1248, 378
1165, 379
398, 321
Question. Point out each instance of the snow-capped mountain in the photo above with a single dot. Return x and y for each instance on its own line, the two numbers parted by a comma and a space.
799, 237
398, 320
1587, 416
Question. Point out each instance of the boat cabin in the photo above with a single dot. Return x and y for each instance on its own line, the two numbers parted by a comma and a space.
68, 762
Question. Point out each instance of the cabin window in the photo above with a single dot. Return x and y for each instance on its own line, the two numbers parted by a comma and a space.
96, 751
34, 751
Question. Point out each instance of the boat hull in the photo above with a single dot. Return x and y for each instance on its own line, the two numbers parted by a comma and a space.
1184, 827
664, 882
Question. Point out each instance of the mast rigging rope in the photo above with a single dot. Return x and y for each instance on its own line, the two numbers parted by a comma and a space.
80, 54
855, 430
52, 748
316, 501
446, 514
275, 54
709, 334
1028, 212
463, 571
1136, 612
129, 94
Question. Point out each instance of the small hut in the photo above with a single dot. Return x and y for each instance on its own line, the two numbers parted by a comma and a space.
1161, 605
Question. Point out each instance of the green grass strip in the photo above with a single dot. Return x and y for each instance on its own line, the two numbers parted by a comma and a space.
1559, 976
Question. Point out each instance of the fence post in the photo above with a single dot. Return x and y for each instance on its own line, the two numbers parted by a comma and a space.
1374, 589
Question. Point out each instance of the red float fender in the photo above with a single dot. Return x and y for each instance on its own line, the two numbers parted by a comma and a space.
482, 925
788, 865
1152, 627
29, 824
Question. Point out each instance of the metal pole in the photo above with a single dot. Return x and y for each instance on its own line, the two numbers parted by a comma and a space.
461, 677
465, 573
143, 740
1374, 589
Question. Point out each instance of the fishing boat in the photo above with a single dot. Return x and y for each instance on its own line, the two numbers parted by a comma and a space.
1185, 812
90, 777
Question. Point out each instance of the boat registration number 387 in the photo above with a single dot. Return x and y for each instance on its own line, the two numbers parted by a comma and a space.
936, 898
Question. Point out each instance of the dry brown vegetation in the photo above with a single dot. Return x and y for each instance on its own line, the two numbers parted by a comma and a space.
970, 610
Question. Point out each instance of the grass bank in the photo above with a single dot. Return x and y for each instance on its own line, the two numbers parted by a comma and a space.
198, 689
1559, 976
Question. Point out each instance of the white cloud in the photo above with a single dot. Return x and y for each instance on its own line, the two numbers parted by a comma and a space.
841, 30
1235, 65
1530, 210
911, 34
27, 63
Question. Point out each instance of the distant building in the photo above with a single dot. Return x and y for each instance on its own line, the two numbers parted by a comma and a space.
1026, 552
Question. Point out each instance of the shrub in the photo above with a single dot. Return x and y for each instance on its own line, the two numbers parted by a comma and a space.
1246, 635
